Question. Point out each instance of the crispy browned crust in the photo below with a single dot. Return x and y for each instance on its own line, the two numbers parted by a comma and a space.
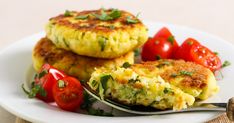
93, 23
198, 78
72, 64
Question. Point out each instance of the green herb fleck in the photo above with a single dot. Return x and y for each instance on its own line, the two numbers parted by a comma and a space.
82, 17
136, 52
94, 83
131, 21
37, 89
88, 101
157, 57
67, 13
171, 39
104, 79
126, 65
87, 105
186, 73
182, 73
138, 14
43, 73
61, 84
226, 63
102, 43
115, 13
134, 80
216, 53
25, 91
163, 64
35, 76
167, 90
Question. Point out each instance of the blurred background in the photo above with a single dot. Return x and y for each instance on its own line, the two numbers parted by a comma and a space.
21, 18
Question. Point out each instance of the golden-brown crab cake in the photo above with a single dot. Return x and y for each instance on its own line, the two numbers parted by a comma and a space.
192, 78
128, 87
79, 66
97, 33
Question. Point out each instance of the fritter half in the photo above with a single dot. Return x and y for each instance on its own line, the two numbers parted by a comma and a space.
128, 87
192, 78
92, 33
79, 66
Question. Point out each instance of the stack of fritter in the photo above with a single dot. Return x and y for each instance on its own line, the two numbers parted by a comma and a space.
79, 42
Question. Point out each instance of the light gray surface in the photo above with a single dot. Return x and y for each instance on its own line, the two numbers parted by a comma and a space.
20, 18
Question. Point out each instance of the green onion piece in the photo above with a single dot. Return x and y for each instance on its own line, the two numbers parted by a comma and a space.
102, 43
126, 65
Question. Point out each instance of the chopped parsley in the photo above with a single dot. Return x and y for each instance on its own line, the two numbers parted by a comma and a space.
171, 39
167, 90
136, 52
82, 17
186, 73
134, 80
226, 63
67, 13
104, 79
163, 64
41, 74
157, 57
36, 89
216, 53
88, 103
126, 65
114, 14
131, 21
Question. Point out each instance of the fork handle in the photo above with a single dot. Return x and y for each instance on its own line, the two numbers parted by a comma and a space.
230, 109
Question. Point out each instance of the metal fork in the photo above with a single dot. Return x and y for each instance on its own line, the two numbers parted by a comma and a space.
141, 110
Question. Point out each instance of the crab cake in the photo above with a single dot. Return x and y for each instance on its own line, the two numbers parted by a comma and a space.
79, 66
131, 88
97, 33
192, 78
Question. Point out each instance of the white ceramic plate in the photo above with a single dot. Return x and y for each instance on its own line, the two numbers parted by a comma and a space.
16, 60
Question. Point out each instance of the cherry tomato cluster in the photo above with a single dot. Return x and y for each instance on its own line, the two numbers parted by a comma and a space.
164, 46
52, 85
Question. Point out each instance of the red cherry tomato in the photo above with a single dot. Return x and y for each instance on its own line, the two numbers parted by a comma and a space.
192, 50
162, 45
68, 93
166, 34
183, 51
205, 57
45, 81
